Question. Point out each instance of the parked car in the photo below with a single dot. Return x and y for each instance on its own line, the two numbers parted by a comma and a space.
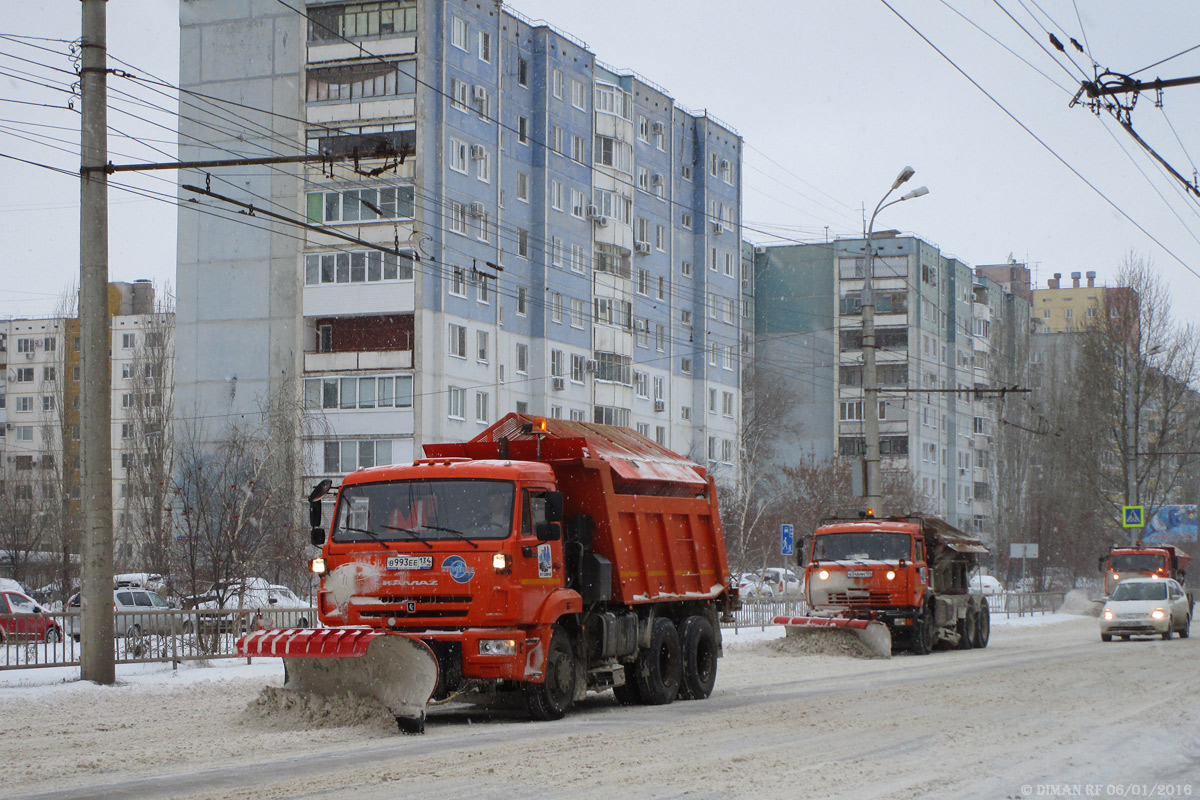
40, 628
265, 600
783, 582
133, 609
752, 586
986, 584
1145, 607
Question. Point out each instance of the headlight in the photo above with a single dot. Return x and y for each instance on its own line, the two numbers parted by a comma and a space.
1108, 613
1158, 613
317, 565
823, 574
497, 647
501, 564
891, 574
1116, 577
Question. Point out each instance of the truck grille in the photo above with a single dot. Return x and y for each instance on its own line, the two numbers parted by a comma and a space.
396, 606
859, 598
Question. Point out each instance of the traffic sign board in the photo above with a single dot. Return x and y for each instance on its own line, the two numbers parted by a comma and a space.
787, 542
1133, 516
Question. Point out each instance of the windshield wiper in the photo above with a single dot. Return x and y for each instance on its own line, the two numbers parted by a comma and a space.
459, 534
372, 534
416, 537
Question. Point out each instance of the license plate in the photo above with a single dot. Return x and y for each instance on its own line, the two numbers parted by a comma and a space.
859, 573
410, 562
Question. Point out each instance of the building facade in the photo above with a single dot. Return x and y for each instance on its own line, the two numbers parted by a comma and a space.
533, 231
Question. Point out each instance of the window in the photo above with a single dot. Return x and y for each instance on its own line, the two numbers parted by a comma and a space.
578, 312
379, 391
556, 139
48, 403
729, 264
556, 195
685, 413
352, 454
641, 384
613, 204
643, 128
609, 415
523, 130
49, 344
577, 368
643, 281
556, 307
613, 368
660, 337
712, 401
613, 312
458, 33
458, 282
350, 83
459, 215
458, 341
658, 388
522, 72
577, 94
685, 268
522, 243
24, 404
23, 433
456, 398
577, 209
460, 94
481, 346
25, 345
578, 258
481, 406
522, 300
643, 179
578, 415
332, 24
578, 148
556, 251
726, 171
661, 291
643, 428
24, 374
612, 153
523, 186
610, 99
361, 205
483, 165
485, 46
556, 363
556, 83
685, 366
523, 358
641, 332
612, 259
128, 341
458, 156
686, 220
660, 238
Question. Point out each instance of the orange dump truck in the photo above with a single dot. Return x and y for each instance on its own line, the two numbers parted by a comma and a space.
1143, 561
900, 581
543, 557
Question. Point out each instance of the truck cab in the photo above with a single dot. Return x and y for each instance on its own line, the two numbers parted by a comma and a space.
1142, 561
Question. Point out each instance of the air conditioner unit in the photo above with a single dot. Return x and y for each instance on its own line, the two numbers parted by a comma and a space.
590, 365
29, 355
481, 93
593, 212
477, 151
657, 128
601, 222
760, 251
718, 226
477, 209
558, 384
643, 247
660, 405
656, 179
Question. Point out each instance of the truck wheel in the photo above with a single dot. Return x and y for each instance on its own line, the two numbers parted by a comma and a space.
627, 694
658, 669
924, 633
551, 698
983, 625
966, 630
699, 646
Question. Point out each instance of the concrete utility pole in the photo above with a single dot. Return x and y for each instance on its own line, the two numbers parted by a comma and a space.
874, 480
97, 659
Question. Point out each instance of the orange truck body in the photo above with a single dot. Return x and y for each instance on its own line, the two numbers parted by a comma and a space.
640, 539
903, 572
1143, 561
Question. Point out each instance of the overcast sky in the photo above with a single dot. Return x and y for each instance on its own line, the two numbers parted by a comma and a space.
832, 98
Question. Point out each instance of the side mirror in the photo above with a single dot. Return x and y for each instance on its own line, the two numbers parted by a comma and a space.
554, 507
318, 536
320, 490
548, 532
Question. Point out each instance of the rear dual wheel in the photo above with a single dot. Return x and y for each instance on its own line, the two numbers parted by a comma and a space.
698, 645
654, 678
924, 632
983, 625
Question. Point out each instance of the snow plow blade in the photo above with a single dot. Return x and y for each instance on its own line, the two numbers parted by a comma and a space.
876, 636
399, 672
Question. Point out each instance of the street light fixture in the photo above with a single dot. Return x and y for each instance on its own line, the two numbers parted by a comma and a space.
873, 479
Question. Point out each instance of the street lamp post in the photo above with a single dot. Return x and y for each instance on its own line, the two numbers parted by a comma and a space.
874, 487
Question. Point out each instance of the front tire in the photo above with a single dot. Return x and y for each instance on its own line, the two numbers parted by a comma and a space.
983, 625
553, 697
53, 635
658, 670
698, 643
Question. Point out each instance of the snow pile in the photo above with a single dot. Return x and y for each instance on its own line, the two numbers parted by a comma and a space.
1077, 602
821, 641
283, 709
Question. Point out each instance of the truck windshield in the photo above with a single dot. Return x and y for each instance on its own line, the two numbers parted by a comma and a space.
862, 546
1135, 562
434, 509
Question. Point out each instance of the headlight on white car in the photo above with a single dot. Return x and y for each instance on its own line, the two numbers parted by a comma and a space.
1108, 613
1158, 613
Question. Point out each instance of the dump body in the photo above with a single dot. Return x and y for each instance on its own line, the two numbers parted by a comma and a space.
1144, 561
547, 559
911, 574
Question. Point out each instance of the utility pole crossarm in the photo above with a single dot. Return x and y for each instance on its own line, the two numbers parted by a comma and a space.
1127, 84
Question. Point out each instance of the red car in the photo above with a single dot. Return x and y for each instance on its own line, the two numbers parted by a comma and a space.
40, 628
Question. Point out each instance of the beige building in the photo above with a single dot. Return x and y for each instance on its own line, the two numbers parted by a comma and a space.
1067, 309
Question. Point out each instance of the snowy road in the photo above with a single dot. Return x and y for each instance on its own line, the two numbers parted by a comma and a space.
1046, 707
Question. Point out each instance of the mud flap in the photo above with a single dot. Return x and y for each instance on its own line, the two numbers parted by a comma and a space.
401, 673
876, 636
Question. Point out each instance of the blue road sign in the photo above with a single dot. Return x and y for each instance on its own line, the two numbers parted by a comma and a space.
1133, 516
787, 543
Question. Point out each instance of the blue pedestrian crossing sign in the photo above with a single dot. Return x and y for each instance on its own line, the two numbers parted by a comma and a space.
787, 542
1133, 516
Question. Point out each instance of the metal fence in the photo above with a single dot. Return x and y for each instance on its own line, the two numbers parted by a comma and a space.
761, 612
160, 635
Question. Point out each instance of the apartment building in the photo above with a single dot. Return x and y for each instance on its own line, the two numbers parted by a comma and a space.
935, 323
533, 231
40, 397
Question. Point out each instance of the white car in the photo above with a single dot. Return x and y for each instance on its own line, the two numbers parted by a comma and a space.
783, 582
1145, 607
751, 586
986, 584
271, 605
